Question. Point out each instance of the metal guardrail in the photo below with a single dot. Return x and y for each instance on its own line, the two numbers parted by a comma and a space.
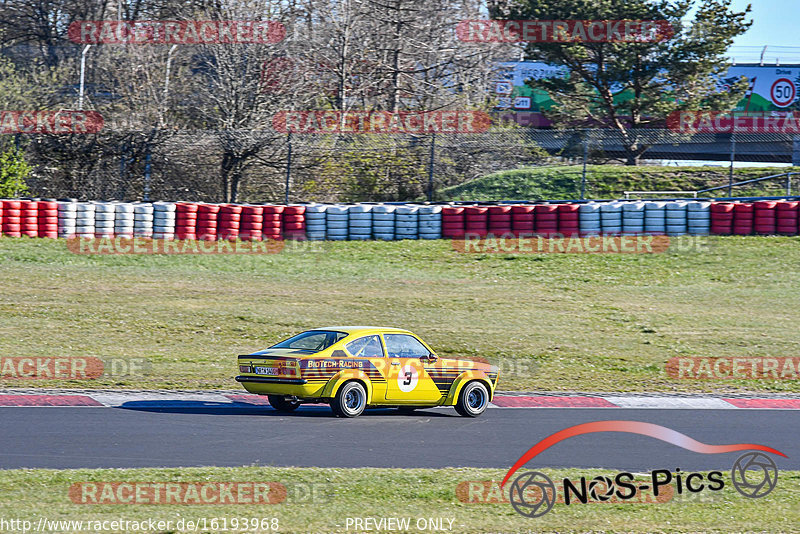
629, 193
730, 186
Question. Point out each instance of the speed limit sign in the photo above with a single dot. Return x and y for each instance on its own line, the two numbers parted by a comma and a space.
783, 92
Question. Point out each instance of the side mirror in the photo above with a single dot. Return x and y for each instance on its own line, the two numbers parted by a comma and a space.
430, 358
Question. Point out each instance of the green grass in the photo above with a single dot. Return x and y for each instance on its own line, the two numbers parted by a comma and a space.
410, 493
609, 181
553, 322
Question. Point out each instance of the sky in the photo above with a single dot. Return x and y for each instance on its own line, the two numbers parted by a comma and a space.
774, 23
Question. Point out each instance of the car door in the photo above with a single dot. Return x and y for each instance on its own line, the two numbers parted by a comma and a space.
371, 357
408, 378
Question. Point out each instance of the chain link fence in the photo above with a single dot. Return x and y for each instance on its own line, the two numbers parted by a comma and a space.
261, 166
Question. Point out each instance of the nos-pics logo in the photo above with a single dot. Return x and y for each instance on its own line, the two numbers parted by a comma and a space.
533, 494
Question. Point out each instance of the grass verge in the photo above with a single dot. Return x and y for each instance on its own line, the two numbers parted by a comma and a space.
558, 322
321, 500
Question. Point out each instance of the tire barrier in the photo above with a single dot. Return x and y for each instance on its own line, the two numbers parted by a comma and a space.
383, 222
545, 219
186, 220
698, 218
476, 220
336, 222
569, 219
430, 222
293, 223
655, 218
47, 218
453, 222
785, 217
359, 222
764, 217
522, 220
406, 222
315, 222
633, 218
742, 218
163, 220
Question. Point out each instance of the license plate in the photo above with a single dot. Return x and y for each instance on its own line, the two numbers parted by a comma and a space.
267, 370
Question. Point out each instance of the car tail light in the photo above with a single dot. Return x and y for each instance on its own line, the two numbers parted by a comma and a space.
245, 369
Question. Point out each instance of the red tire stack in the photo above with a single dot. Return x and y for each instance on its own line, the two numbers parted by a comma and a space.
476, 220
29, 219
764, 217
185, 221
522, 220
294, 222
47, 218
207, 221
499, 220
721, 218
228, 222
546, 219
786, 217
252, 223
272, 222
742, 218
568, 221
453, 222
11, 217
1, 218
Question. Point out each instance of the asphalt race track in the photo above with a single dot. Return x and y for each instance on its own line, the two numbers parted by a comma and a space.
182, 436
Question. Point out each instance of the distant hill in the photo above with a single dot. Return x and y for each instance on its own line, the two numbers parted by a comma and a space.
611, 181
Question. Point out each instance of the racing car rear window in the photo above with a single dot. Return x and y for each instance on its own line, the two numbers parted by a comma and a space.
311, 340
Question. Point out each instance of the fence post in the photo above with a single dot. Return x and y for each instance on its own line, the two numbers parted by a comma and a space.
288, 166
585, 159
146, 196
430, 166
733, 159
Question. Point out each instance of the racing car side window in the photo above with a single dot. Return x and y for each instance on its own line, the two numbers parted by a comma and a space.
311, 340
404, 346
366, 347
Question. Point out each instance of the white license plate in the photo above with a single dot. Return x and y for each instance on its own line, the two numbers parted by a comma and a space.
267, 370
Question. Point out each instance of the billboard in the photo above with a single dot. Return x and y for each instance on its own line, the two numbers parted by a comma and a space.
773, 89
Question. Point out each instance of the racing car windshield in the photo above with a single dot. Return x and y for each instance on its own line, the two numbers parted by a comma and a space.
311, 341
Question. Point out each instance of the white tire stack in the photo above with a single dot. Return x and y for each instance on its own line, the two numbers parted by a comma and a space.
611, 218
315, 222
163, 220
143, 220
698, 218
430, 222
336, 223
123, 219
383, 222
84, 221
655, 222
589, 218
633, 218
406, 222
67, 217
676, 218
360, 222
104, 219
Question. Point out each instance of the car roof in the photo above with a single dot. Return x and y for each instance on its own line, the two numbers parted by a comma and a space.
360, 329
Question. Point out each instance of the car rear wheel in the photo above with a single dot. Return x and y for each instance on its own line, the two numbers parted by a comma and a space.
282, 404
350, 400
473, 400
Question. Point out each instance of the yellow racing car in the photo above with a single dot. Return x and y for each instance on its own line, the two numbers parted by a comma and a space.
353, 367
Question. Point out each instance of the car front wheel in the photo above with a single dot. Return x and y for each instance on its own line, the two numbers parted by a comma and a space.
473, 400
350, 400
282, 404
